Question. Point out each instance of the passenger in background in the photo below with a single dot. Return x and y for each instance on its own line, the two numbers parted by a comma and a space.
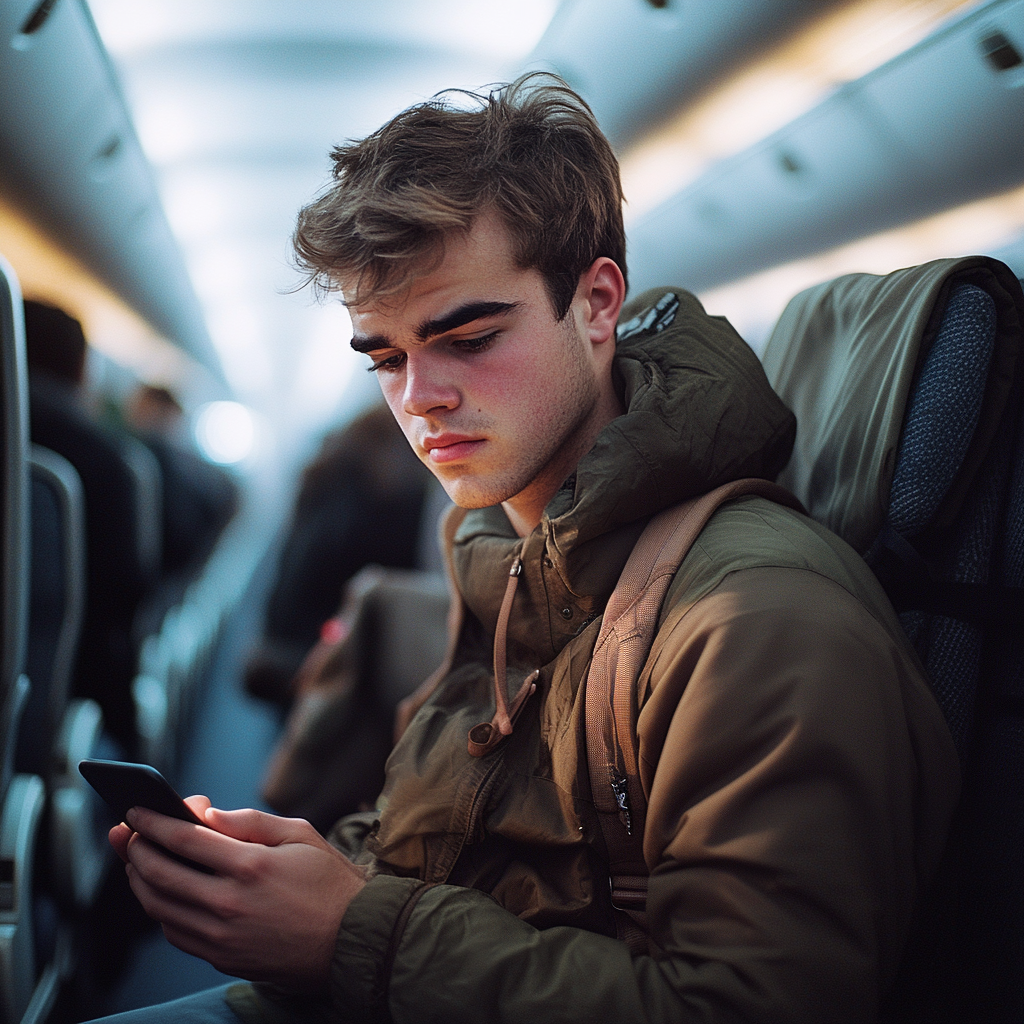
122, 487
199, 498
360, 502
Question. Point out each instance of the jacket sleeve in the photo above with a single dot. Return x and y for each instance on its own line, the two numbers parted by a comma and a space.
800, 781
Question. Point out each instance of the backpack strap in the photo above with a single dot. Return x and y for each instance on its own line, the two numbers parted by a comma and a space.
612, 702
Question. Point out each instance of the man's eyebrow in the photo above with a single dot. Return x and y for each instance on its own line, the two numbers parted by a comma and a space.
369, 342
465, 314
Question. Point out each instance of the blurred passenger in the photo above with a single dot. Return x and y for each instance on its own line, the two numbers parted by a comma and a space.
360, 502
199, 498
121, 484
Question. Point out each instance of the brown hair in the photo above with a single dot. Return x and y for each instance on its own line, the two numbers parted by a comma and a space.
531, 151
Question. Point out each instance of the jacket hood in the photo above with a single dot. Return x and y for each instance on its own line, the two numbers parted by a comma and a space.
699, 412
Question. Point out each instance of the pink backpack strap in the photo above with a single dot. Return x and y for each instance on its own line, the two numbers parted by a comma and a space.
612, 702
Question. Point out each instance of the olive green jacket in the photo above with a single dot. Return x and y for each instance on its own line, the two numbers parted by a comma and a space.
799, 775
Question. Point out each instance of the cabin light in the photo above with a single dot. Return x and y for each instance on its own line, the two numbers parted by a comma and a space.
226, 432
1000, 52
842, 44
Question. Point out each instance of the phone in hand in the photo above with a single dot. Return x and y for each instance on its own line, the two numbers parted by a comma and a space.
124, 785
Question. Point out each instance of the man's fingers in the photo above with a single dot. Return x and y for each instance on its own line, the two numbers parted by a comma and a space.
277, 882
167, 875
251, 826
231, 840
119, 836
199, 805
164, 906
186, 839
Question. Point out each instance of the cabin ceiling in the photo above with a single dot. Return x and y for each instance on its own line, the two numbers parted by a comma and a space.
236, 104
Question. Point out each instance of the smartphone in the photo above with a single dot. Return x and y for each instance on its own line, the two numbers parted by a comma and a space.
123, 786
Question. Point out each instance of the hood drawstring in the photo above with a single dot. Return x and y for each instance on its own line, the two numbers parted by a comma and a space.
483, 738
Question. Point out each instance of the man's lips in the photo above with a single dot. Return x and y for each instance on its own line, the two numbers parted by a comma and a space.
451, 447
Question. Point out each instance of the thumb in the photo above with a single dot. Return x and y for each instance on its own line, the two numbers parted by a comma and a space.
252, 826
198, 804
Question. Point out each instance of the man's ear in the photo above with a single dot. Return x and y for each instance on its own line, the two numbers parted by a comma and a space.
603, 289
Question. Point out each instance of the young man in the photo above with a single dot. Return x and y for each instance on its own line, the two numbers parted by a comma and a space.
799, 775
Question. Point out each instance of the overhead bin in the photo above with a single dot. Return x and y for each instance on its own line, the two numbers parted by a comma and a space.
70, 158
939, 126
637, 61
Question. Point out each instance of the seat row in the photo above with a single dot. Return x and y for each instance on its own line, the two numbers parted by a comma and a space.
61, 695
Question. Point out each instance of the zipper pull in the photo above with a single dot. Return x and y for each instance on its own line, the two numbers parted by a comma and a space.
620, 787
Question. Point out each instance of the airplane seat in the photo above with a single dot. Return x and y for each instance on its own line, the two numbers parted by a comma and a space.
27, 987
56, 603
390, 636
121, 483
56, 731
907, 390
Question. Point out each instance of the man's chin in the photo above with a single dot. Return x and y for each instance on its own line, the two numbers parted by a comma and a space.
470, 494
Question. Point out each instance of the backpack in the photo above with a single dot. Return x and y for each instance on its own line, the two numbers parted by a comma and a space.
611, 699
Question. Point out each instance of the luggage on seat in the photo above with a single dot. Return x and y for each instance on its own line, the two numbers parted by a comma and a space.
907, 390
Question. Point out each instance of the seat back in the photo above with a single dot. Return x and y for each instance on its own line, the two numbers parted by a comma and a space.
13, 515
907, 390
121, 485
57, 600
391, 636
22, 796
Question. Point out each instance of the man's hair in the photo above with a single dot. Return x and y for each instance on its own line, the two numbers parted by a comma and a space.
529, 151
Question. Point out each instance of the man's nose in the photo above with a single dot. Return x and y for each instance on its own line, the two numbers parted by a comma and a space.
427, 386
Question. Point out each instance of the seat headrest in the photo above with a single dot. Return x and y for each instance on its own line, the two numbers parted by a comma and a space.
844, 355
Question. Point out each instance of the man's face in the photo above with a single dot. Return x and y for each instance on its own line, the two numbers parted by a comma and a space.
496, 397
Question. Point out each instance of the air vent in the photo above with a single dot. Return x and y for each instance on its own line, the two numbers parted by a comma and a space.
1000, 52
789, 163
109, 148
38, 18
104, 162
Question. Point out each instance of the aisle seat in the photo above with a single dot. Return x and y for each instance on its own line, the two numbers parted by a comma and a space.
27, 988
121, 483
57, 731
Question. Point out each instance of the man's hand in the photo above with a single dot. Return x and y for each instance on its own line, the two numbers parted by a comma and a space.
271, 910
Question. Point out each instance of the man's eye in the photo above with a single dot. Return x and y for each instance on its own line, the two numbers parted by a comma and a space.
388, 365
476, 344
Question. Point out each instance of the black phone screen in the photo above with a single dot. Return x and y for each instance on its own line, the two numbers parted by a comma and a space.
124, 785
